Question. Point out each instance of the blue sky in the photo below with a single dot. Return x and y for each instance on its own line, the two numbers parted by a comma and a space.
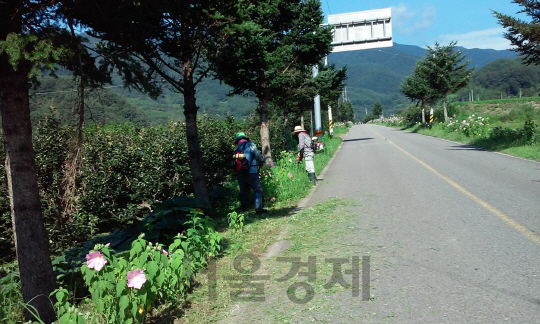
423, 22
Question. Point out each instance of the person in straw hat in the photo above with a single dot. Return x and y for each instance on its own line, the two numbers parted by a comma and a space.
306, 151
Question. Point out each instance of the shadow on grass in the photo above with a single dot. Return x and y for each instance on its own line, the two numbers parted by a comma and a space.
494, 145
172, 311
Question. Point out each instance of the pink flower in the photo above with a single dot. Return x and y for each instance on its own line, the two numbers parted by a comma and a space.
290, 175
164, 252
271, 164
277, 179
136, 279
290, 160
108, 244
95, 260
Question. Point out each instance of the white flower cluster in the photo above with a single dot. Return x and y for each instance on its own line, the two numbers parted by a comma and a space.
470, 126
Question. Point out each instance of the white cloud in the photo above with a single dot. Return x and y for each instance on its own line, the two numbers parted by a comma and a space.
408, 21
488, 38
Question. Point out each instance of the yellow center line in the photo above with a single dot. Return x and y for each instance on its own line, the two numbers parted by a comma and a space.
517, 226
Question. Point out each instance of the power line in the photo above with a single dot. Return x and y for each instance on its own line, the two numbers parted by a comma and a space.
74, 90
412, 58
329, 12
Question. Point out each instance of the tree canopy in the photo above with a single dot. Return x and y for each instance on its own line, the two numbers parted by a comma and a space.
274, 40
443, 69
169, 41
522, 34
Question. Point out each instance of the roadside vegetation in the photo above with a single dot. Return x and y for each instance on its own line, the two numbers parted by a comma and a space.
132, 213
509, 126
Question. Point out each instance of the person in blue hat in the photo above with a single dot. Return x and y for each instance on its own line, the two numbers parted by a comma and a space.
248, 159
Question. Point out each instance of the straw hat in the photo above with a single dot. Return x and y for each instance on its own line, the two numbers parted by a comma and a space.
298, 129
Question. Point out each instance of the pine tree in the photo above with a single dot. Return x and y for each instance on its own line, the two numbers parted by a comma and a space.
522, 34
263, 50
444, 72
377, 110
170, 39
417, 89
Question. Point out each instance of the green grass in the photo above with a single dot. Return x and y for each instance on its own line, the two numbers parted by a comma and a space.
277, 182
11, 301
326, 222
505, 113
261, 231
497, 101
531, 152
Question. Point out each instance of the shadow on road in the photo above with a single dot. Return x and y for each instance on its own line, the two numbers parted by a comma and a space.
465, 148
358, 139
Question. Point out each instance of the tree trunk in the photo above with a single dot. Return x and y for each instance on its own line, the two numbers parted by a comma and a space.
302, 120
31, 243
265, 130
423, 113
286, 126
444, 107
194, 146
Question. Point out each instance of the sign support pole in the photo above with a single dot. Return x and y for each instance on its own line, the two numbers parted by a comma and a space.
317, 106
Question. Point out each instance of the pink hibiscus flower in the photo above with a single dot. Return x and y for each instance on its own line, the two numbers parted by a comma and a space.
95, 260
136, 279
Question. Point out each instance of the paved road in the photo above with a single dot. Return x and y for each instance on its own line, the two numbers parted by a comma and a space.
453, 231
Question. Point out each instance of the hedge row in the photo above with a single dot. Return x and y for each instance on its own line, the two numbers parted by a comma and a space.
124, 169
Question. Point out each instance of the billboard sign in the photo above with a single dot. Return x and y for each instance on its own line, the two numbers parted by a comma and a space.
361, 30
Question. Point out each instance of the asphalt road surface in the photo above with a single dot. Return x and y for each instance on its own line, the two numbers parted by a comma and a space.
453, 231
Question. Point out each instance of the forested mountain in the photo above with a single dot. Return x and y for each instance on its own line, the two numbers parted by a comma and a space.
373, 75
58, 97
376, 74
503, 78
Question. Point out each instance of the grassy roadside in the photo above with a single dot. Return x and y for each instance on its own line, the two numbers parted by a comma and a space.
258, 234
507, 125
531, 152
327, 221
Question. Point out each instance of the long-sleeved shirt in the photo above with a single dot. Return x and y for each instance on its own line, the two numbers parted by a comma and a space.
247, 148
304, 142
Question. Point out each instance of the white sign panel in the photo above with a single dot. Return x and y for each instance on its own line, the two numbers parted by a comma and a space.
361, 30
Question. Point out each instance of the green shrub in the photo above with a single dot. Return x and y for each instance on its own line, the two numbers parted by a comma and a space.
124, 169
524, 135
